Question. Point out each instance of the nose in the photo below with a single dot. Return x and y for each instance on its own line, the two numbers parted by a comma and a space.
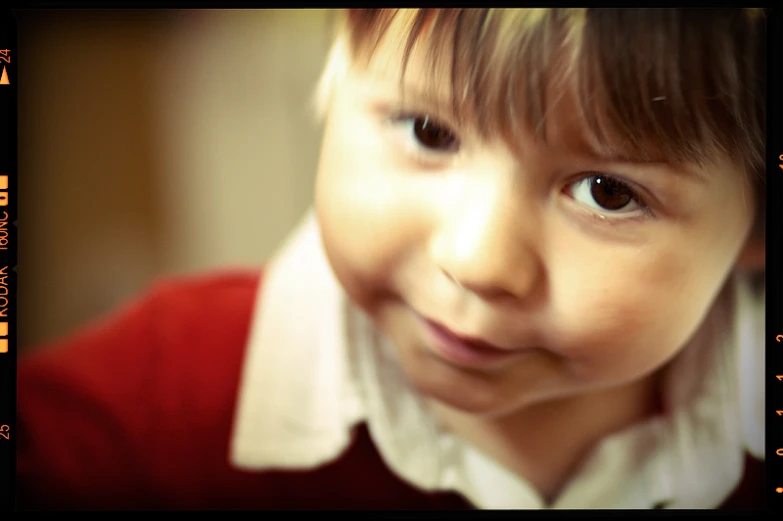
489, 246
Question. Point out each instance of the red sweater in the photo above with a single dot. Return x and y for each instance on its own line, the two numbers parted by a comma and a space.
135, 412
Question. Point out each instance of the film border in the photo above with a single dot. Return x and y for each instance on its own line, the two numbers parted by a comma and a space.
8, 257
774, 275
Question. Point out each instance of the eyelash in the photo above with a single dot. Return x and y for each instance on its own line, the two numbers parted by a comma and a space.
611, 217
606, 217
422, 152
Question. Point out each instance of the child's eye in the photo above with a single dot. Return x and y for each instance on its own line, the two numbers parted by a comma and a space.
607, 194
430, 134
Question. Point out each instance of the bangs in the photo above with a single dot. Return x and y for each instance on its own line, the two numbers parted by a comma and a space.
671, 85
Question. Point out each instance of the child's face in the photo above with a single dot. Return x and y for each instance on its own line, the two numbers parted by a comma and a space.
585, 287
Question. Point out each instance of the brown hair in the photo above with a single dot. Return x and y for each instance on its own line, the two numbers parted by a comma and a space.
676, 84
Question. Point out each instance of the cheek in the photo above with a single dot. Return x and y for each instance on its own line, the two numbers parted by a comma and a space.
358, 206
623, 315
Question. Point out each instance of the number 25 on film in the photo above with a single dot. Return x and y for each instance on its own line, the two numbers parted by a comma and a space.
4, 429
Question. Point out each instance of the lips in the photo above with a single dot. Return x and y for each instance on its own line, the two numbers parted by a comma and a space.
473, 343
462, 350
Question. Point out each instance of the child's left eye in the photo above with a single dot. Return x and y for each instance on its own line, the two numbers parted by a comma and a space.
606, 194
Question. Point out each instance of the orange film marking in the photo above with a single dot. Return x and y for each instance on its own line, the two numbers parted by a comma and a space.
3, 186
3, 341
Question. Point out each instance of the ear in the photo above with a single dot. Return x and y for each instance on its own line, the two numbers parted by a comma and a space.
753, 256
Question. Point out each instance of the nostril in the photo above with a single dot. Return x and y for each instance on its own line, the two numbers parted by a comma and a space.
452, 278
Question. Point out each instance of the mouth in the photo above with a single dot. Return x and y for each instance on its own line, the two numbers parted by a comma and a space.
462, 350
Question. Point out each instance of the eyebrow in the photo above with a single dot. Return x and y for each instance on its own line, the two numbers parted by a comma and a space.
410, 92
684, 171
442, 104
613, 154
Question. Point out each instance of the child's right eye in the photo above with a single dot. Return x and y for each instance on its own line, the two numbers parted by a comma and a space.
430, 134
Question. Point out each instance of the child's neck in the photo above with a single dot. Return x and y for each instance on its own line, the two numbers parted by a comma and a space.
545, 444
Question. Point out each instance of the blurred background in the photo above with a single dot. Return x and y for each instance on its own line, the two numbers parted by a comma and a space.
156, 143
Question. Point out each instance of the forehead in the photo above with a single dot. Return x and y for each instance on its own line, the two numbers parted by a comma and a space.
385, 61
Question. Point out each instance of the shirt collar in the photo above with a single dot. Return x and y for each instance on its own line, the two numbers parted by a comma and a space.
295, 404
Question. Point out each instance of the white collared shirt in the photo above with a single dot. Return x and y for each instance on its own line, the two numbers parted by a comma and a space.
316, 366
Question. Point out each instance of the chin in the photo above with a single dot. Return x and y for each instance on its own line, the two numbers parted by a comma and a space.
487, 410
463, 391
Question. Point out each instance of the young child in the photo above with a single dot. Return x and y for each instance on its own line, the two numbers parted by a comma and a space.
530, 280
